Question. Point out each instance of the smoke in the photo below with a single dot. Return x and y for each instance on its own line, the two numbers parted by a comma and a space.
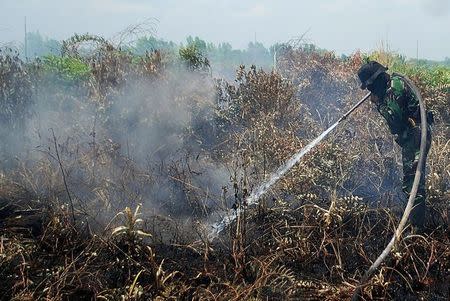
146, 143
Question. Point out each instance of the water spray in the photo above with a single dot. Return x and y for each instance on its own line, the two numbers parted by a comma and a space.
232, 214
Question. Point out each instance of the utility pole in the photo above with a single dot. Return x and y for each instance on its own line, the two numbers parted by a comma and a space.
275, 59
417, 50
25, 44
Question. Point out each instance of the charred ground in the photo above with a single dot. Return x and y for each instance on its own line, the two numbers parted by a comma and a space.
116, 202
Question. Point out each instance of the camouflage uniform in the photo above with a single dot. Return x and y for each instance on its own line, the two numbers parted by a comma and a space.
400, 108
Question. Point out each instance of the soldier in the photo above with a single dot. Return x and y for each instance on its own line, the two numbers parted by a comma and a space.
396, 101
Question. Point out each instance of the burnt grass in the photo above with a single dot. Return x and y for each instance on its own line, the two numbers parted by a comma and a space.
85, 218
279, 253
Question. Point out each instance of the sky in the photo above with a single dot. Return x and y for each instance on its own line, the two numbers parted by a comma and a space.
344, 26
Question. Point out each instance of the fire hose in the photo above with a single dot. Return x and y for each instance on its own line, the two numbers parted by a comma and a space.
409, 206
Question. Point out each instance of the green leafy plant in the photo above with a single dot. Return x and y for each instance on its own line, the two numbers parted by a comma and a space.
194, 58
68, 69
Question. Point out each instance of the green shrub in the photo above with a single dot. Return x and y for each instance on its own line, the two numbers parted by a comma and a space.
194, 58
68, 69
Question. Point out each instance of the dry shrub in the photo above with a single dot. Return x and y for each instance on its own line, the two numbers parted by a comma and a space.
311, 238
268, 125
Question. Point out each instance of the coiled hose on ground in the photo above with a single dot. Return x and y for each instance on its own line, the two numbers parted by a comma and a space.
412, 195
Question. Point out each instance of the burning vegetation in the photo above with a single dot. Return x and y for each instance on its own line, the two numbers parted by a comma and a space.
115, 166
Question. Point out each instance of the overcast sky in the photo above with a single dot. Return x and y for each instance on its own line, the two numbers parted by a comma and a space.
341, 25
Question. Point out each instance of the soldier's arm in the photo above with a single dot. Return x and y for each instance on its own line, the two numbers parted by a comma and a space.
408, 101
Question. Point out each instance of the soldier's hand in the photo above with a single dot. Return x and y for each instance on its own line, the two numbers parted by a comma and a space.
411, 122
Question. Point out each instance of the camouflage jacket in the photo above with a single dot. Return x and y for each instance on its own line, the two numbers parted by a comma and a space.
400, 108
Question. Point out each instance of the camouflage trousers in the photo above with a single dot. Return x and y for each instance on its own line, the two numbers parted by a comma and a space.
410, 158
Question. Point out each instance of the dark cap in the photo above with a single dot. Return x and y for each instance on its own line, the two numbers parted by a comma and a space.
369, 72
